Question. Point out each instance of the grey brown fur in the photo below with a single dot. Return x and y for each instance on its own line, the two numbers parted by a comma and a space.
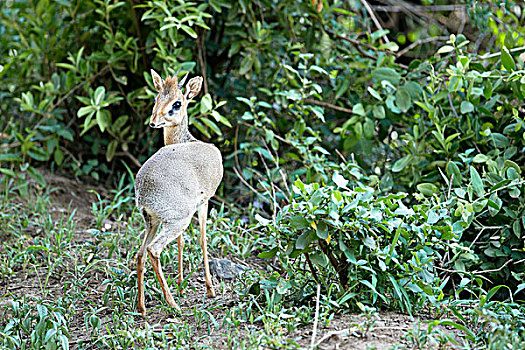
174, 183
178, 179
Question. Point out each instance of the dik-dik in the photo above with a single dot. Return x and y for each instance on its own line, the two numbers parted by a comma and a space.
174, 183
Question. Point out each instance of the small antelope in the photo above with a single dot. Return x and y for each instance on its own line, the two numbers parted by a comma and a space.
174, 183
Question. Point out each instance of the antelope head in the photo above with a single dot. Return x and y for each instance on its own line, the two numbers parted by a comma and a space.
171, 103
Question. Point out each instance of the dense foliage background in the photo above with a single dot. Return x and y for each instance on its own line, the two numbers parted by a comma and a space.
385, 152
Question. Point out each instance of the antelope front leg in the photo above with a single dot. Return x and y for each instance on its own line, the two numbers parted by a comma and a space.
141, 262
180, 245
203, 214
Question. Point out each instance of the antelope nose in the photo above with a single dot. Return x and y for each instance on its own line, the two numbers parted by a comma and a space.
152, 125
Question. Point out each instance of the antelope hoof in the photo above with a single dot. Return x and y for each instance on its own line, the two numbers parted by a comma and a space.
180, 290
174, 305
210, 293
142, 310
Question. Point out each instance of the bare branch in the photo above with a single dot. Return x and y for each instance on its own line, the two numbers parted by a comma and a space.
433, 8
374, 18
329, 105
421, 42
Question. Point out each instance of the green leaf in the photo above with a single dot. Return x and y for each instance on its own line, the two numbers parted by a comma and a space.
110, 152
322, 230
458, 326
211, 124
374, 93
99, 95
403, 99
64, 341
476, 182
400, 164
358, 109
66, 66
316, 198
445, 49
466, 107
392, 46
427, 188
370, 242
269, 254
85, 110
59, 156
506, 60
9, 157
101, 120
500, 140
414, 89
189, 31
65, 133
119, 123
246, 65
358, 130
453, 170
339, 180
220, 118
494, 203
325, 46
319, 259
510, 164
38, 154
379, 112
500, 185
516, 227
8, 172
299, 222
368, 128
206, 104
304, 240
393, 245
35, 175
480, 158
387, 74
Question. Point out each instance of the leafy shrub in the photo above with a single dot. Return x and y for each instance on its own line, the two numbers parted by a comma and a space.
379, 249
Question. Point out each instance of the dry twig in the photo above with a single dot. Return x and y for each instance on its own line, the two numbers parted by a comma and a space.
421, 42
329, 105
374, 18
316, 320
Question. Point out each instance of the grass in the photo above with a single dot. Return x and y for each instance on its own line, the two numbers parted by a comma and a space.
70, 285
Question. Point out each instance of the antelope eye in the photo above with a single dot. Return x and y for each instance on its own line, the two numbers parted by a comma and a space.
175, 107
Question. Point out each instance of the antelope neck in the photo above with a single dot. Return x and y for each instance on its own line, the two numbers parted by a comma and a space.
177, 134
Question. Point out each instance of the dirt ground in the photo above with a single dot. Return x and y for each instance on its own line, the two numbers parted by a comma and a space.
342, 332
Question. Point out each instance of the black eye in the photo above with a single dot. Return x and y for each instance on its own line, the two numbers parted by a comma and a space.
174, 107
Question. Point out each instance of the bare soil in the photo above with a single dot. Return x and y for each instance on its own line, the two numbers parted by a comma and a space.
342, 332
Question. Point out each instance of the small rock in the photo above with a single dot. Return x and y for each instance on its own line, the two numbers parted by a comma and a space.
225, 269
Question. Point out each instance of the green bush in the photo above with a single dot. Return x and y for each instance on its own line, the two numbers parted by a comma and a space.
377, 248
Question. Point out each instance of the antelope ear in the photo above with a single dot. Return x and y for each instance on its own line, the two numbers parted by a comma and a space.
193, 87
158, 83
